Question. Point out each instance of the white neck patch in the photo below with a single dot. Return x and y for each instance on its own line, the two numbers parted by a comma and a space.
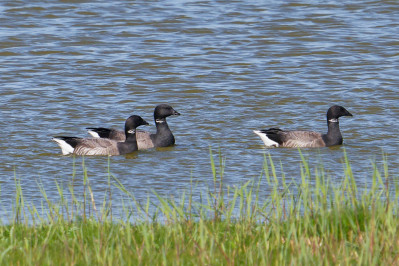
132, 131
334, 120
159, 121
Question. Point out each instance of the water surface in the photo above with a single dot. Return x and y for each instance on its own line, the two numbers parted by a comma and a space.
228, 67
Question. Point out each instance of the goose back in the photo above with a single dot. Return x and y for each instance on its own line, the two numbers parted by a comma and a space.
144, 140
109, 133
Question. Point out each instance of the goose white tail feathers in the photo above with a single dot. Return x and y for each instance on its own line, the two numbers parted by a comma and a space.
93, 133
65, 147
268, 142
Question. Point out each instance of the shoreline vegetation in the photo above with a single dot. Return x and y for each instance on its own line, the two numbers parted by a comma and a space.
311, 222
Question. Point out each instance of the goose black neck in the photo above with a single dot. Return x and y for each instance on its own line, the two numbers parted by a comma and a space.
333, 126
164, 136
130, 144
131, 137
333, 136
161, 124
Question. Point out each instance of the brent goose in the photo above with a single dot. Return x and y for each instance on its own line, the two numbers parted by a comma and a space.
275, 137
80, 146
145, 140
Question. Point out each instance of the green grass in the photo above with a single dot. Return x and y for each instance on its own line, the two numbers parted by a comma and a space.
313, 222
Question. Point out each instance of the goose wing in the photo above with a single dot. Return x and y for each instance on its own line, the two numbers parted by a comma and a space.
117, 135
143, 137
109, 133
96, 147
305, 139
144, 140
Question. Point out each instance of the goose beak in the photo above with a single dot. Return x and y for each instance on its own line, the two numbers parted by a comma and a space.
176, 113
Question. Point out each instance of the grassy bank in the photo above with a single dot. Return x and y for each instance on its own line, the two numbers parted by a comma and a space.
313, 222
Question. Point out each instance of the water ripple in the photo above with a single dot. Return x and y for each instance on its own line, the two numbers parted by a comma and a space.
227, 67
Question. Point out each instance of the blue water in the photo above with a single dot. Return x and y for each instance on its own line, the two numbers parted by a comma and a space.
228, 67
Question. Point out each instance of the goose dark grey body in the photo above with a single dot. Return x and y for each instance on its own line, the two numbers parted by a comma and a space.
145, 140
81, 146
275, 137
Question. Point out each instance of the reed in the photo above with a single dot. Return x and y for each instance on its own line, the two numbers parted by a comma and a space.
312, 221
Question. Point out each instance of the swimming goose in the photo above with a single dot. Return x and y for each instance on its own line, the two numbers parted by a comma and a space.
275, 137
162, 138
81, 146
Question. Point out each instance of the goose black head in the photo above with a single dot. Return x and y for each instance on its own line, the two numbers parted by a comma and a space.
133, 122
335, 112
163, 111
